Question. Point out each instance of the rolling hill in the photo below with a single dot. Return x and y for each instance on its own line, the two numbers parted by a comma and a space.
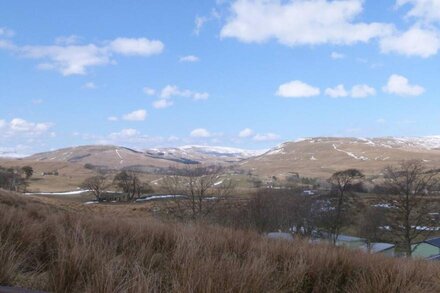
320, 157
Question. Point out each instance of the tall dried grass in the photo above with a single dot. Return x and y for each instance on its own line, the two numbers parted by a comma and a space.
45, 248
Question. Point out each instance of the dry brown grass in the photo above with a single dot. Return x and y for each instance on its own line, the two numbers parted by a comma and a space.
47, 248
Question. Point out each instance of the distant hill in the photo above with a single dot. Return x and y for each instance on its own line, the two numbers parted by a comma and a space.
311, 157
117, 157
322, 156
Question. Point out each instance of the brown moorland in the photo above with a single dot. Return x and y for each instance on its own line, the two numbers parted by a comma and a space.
45, 247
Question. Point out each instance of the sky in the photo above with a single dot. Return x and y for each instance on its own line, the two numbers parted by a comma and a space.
241, 73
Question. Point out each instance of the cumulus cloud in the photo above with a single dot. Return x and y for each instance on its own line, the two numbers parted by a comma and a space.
301, 22
168, 92
336, 55
90, 85
70, 58
124, 134
149, 91
162, 103
6, 32
416, 41
428, 10
247, 132
266, 137
357, 91
400, 85
22, 127
138, 115
67, 40
140, 46
199, 22
362, 91
200, 133
297, 89
174, 91
189, 58
338, 91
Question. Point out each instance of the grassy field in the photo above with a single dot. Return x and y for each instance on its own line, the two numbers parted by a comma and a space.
49, 246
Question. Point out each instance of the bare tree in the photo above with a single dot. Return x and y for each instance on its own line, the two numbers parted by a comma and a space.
341, 182
409, 212
131, 185
370, 224
97, 185
198, 190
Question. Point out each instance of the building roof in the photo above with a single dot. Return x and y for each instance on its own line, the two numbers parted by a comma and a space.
280, 235
434, 257
377, 246
347, 238
434, 241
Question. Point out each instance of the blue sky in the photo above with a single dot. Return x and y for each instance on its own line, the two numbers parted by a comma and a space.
243, 73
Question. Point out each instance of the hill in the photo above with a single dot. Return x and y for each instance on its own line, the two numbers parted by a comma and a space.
321, 156
63, 250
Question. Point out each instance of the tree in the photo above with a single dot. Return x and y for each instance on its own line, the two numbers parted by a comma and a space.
131, 185
370, 225
11, 179
28, 171
341, 182
198, 190
97, 185
409, 218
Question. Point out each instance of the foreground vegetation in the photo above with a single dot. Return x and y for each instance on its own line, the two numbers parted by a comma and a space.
47, 248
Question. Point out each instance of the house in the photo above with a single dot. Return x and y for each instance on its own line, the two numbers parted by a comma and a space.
434, 257
353, 242
349, 241
427, 248
280, 235
387, 249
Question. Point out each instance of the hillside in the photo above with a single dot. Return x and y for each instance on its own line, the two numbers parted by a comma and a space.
117, 157
63, 250
311, 157
320, 157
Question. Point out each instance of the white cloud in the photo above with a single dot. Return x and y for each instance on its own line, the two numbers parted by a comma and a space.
162, 103
336, 55
428, 10
124, 134
301, 22
140, 46
69, 58
247, 132
200, 96
199, 22
149, 91
174, 91
67, 40
337, 92
19, 126
266, 137
112, 118
138, 115
357, 91
399, 85
37, 101
189, 58
200, 133
297, 89
414, 42
90, 85
6, 32
362, 91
